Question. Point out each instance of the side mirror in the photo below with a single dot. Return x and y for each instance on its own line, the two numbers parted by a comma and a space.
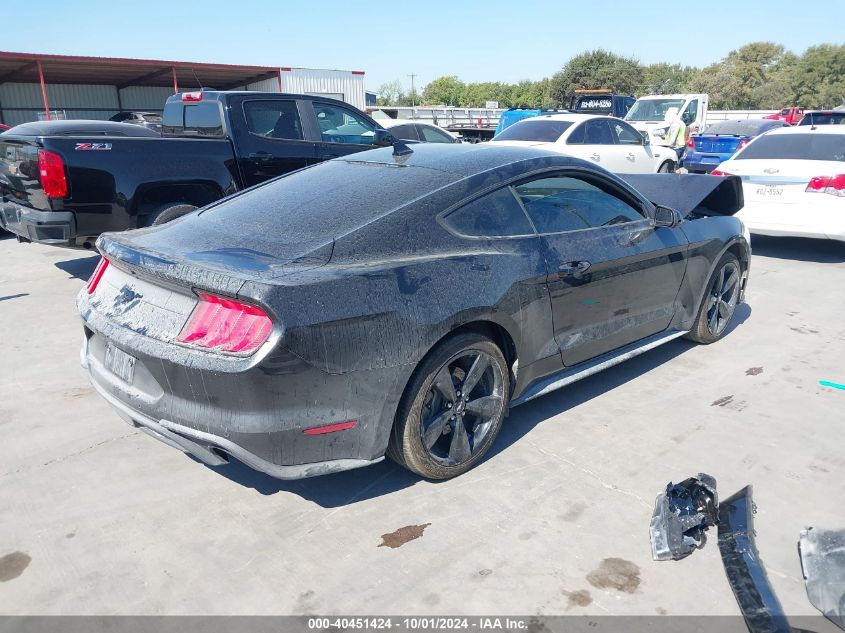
383, 138
646, 138
664, 216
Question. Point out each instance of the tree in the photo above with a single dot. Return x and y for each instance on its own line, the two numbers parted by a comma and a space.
390, 93
529, 94
779, 89
596, 69
447, 90
819, 76
739, 81
663, 78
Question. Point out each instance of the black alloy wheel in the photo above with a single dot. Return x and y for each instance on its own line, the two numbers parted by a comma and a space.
453, 408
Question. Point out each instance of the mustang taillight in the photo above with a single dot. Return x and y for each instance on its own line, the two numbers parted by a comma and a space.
226, 325
51, 169
834, 185
742, 144
716, 172
691, 143
91, 286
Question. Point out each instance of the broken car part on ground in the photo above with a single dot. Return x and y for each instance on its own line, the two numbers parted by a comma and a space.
685, 510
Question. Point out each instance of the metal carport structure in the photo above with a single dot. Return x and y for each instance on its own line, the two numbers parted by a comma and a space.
44, 86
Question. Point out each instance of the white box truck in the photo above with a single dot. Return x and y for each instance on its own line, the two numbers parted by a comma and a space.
648, 114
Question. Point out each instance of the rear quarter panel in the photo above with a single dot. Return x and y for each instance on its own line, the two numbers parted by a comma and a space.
709, 239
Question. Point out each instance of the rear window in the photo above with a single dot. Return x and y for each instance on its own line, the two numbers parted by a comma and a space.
828, 118
326, 200
192, 119
749, 127
541, 131
796, 147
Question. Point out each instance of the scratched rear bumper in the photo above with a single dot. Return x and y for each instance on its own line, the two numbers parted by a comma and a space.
256, 415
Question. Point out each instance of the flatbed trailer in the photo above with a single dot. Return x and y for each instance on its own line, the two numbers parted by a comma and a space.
472, 124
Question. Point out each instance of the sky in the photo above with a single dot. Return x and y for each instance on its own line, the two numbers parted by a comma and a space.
482, 40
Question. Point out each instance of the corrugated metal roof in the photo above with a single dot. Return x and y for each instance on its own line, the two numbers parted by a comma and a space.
118, 71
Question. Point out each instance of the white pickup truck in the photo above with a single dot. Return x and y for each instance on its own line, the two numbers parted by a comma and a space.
648, 114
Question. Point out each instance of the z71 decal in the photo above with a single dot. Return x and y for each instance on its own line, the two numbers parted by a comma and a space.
93, 146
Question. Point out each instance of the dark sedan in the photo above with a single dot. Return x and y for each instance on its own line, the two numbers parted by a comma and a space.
382, 304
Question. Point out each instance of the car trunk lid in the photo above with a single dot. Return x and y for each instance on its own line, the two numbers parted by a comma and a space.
718, 144
779, 181
699, 194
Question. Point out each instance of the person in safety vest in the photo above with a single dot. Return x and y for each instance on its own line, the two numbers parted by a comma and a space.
676, 135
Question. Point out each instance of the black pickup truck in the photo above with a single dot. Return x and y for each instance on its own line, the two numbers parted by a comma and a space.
65, 182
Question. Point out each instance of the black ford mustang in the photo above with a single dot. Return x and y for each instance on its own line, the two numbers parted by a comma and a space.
400, 304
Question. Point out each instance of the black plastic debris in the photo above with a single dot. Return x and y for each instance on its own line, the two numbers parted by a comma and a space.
823, 564
746, 574
682, 514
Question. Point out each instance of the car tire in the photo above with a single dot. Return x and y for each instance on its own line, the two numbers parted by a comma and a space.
165, 214
721, 296
666, 168
440, 438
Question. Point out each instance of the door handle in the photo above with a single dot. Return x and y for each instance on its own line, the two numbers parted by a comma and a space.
595, 156
263, 157
574, 268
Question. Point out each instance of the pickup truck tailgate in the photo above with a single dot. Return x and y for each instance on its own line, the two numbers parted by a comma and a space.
19, 180
25, 208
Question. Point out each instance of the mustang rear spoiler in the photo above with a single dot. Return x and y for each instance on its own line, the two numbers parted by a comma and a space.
701, 194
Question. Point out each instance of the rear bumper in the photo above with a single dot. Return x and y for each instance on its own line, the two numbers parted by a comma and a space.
821, 220
703, 163
257, 414
214, 450
57, 228
781, 230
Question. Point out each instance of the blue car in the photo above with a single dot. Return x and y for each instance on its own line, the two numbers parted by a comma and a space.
721, 140
512, 115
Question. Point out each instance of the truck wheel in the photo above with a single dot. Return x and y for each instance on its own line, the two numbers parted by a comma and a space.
666, 167
165, 214
452, 409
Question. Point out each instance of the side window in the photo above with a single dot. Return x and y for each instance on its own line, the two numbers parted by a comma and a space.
625, 134
498, 214
406, 132
563, 203
597, 132
273, 119
432, 135
577, 136
690, 112
342, 125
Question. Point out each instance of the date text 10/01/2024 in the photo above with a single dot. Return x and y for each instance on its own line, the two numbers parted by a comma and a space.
418, 623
